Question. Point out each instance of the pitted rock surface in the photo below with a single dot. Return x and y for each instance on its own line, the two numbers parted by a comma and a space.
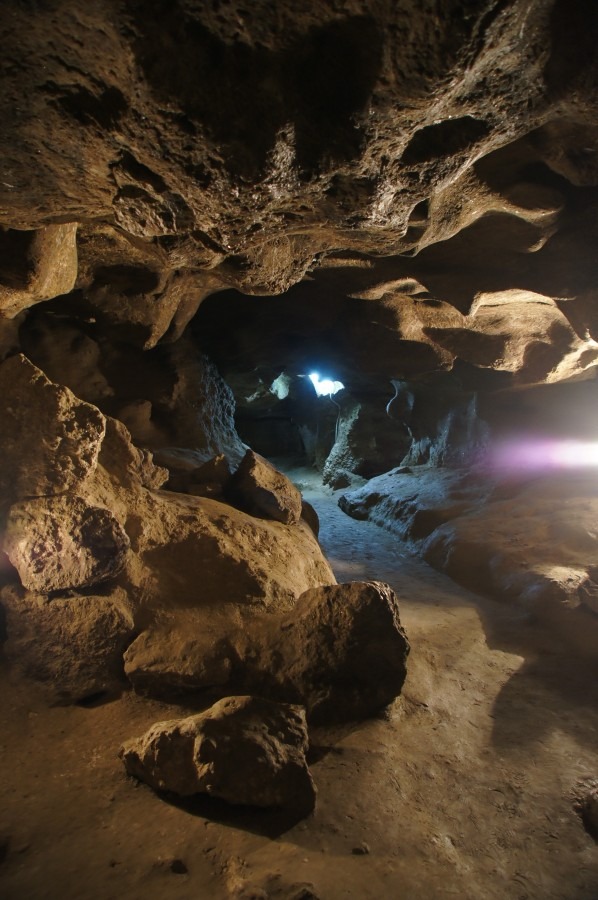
244, 750
50, 439
58, 543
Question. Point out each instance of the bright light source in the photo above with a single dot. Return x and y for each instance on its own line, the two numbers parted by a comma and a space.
326, 387
526, 455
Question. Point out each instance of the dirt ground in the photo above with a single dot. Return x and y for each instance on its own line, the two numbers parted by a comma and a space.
464, 788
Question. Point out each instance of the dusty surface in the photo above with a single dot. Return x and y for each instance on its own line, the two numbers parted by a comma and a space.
464, 789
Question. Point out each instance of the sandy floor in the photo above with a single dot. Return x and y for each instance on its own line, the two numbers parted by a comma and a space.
464, 789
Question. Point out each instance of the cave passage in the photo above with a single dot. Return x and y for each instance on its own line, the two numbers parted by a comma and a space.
298, 449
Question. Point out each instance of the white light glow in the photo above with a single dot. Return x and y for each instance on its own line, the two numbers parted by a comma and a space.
326, 387
545, 454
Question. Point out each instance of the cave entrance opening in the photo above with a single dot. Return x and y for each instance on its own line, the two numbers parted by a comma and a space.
294, 421
284, 371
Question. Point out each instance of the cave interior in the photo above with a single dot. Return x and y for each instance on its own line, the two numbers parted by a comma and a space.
299, 449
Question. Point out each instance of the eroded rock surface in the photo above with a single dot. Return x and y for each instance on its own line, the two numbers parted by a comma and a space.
525, 540
340, 652
57, 543
37, 265
244, 750
71, 646
50, 439
264, 491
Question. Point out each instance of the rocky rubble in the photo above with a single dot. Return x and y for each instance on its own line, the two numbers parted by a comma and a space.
83, 509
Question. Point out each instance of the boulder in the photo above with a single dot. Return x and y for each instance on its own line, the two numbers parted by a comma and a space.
184, 655
58, 543
50, 439
244, 750
199, 554
264, 491
341, 652
72, 647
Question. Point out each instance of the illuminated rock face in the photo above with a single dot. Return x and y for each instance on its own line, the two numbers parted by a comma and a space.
419, 192
438, 168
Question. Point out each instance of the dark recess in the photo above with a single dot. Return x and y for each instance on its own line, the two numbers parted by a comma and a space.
444, 139
319, 84
15, 265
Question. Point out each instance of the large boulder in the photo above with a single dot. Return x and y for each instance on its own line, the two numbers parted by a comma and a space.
264, 491
244, 750
196, 553
72, 647
50, 439
58, 543
340, 652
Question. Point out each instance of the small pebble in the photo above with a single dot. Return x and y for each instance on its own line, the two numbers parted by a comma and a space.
361, 850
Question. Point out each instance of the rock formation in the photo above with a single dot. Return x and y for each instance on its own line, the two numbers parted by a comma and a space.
82, 510
200, 206
340, 652
243, 750
70, 647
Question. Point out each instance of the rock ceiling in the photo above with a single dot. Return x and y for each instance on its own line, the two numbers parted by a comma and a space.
431, 169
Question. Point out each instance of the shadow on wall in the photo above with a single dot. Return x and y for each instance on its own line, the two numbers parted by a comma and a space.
316, 86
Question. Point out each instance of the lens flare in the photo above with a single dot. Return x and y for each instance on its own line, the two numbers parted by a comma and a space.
541, 455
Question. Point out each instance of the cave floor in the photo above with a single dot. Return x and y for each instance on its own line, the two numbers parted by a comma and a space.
464, 788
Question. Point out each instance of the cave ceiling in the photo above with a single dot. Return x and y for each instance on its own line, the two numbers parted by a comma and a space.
419, 179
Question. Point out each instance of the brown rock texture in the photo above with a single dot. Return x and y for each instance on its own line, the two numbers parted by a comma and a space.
37, 265
340, 652
264, 491
71, 647
244, 750
58, 543
100, 519
431, 165
50, 439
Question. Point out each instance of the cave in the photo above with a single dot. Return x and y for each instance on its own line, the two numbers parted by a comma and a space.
298, 449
